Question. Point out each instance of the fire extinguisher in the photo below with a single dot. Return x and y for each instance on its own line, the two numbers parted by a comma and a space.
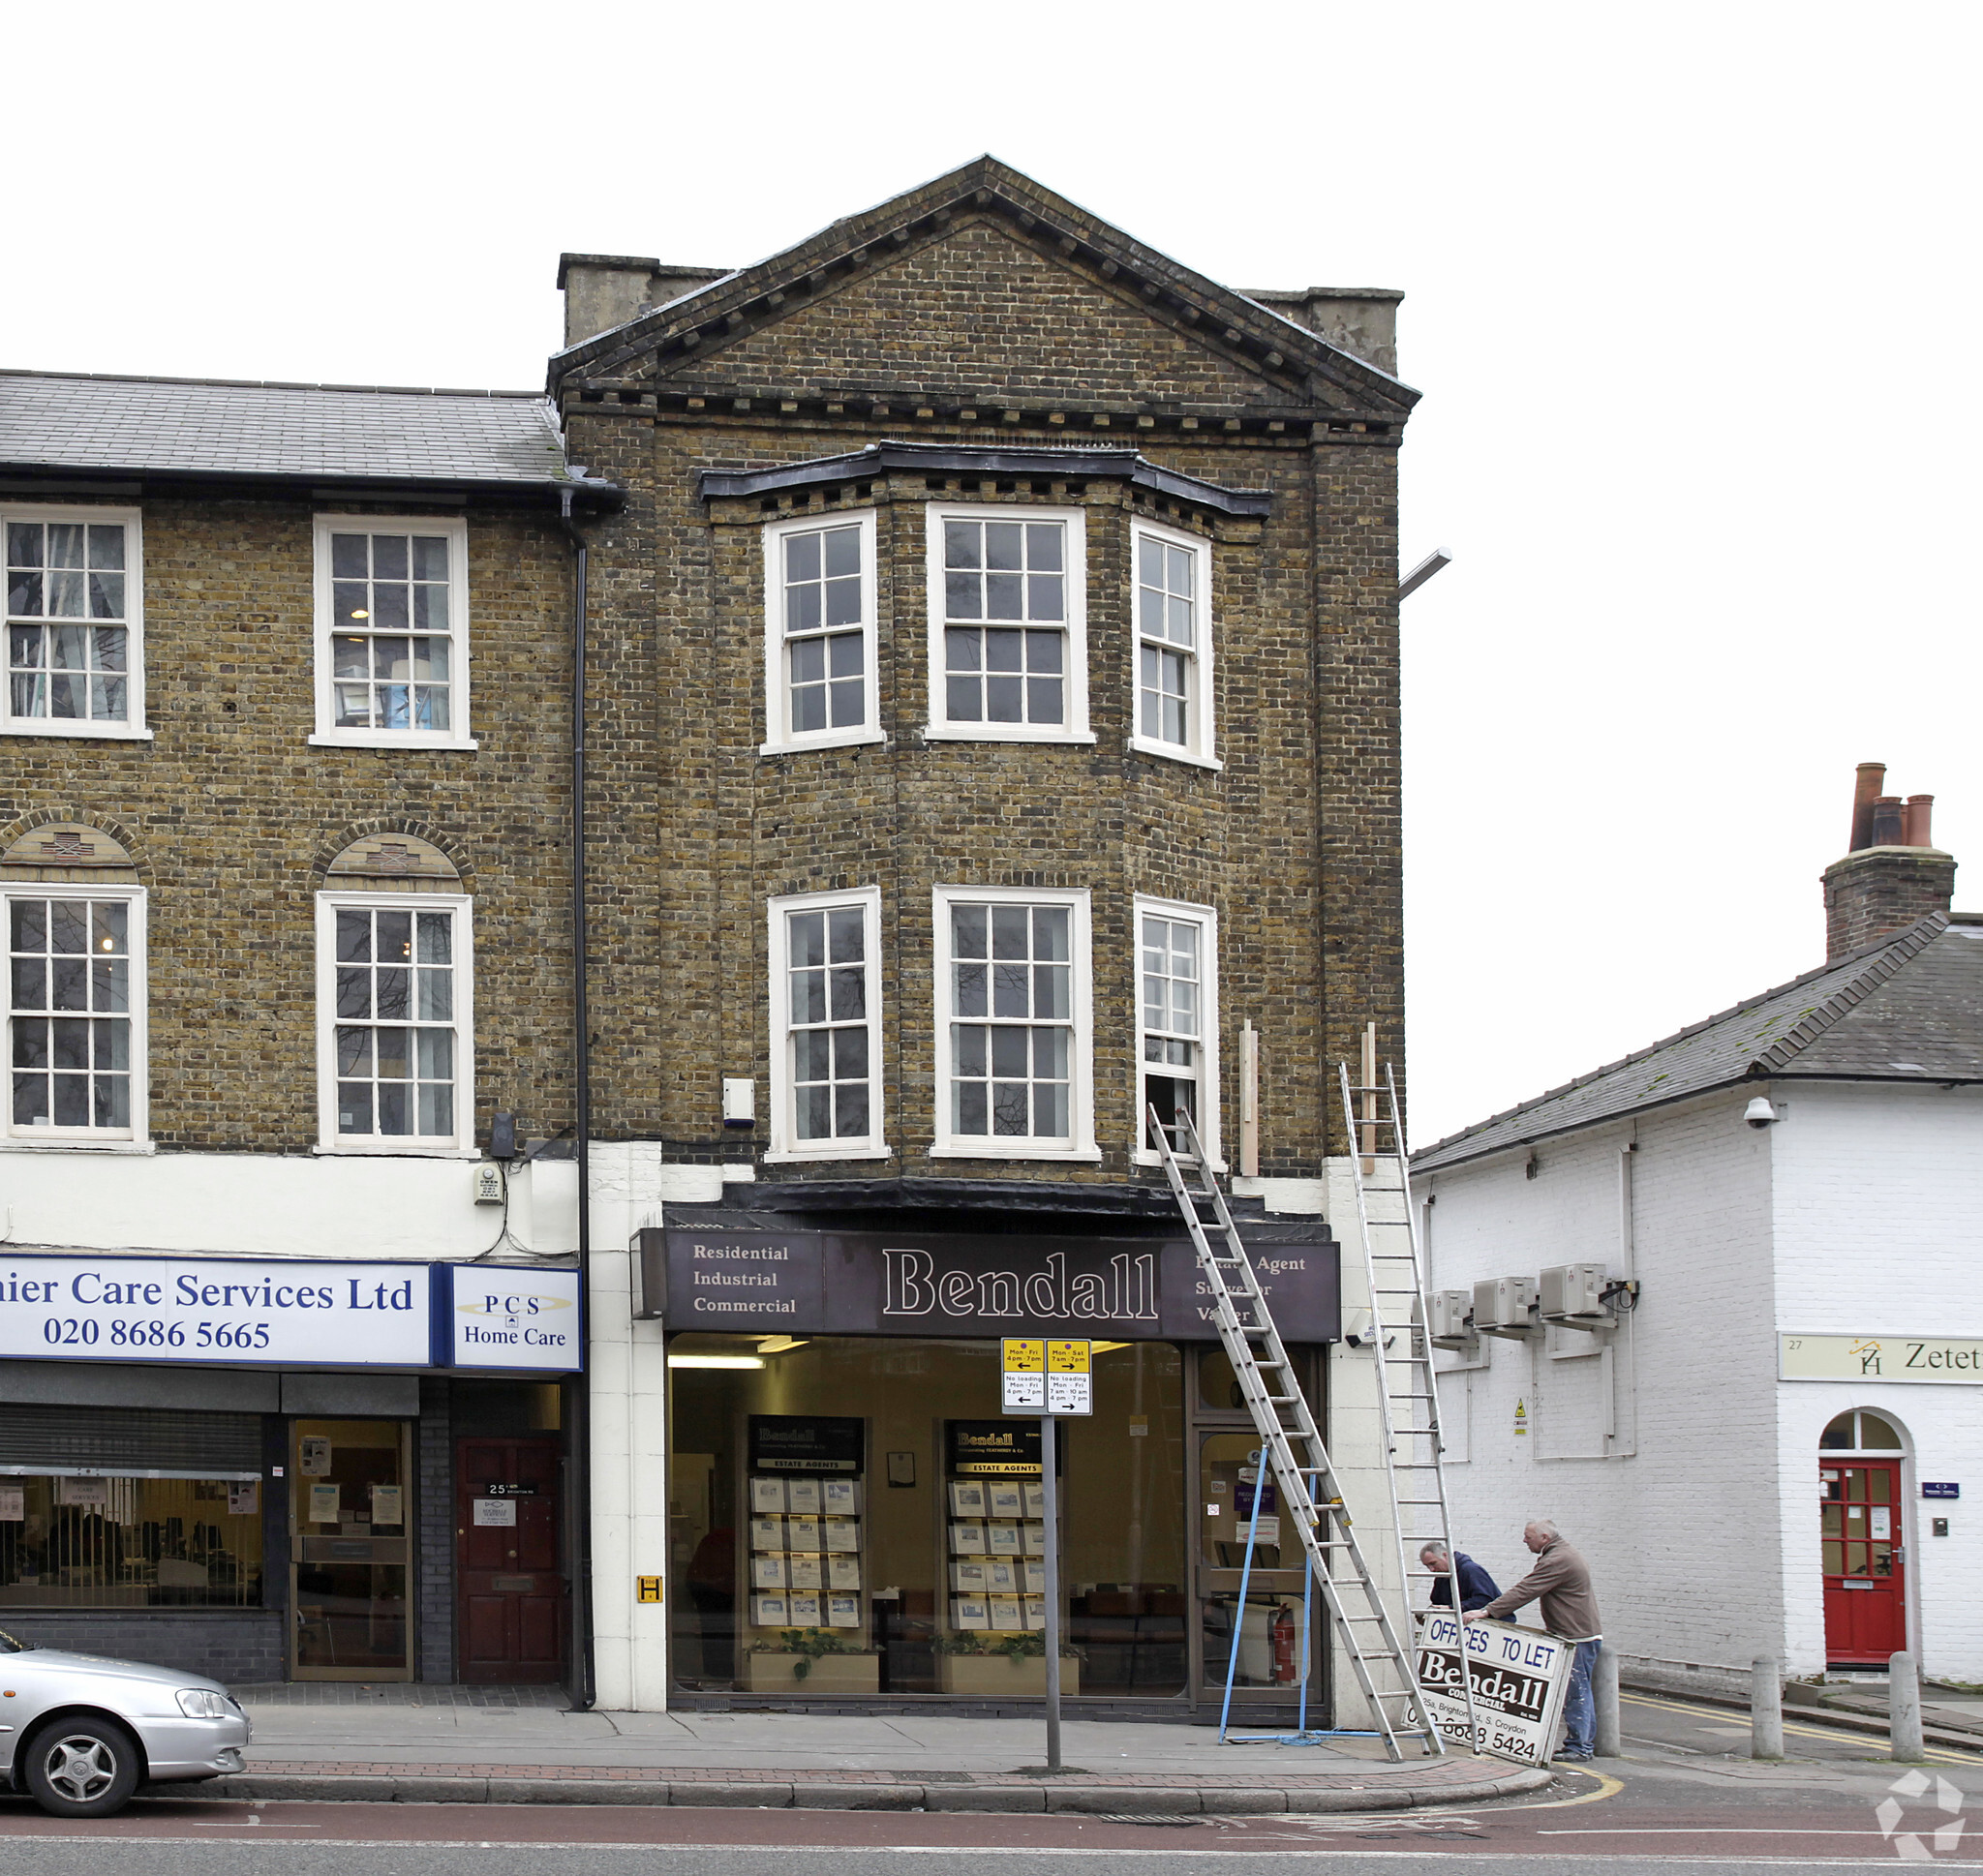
1283, 1633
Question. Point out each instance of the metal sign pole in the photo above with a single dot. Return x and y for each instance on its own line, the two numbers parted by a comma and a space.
1051, 1538
1047, 1378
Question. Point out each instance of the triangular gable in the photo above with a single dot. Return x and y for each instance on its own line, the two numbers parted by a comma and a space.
1234, 351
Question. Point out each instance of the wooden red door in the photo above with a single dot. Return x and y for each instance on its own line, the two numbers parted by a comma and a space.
509, 1583
1865, 1599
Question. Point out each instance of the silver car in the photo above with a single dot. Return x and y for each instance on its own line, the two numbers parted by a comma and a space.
81, 1732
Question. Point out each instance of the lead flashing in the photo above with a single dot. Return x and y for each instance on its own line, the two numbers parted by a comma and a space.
1125, 465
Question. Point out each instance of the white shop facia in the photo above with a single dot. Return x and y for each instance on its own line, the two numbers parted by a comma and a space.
283, 1469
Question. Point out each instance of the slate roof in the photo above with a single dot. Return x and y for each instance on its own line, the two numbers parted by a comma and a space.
1907, 1009
58, 422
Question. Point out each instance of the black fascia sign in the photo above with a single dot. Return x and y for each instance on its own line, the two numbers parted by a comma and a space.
967, 1287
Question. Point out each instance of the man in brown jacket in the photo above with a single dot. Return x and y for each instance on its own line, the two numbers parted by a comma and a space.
1562, 1580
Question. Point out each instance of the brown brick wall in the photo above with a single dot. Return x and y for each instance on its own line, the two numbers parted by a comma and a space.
1296, 842
231, 815
979, 310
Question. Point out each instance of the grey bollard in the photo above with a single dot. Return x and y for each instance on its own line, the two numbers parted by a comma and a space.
1606, 1740
1904, 1709
1766, 1708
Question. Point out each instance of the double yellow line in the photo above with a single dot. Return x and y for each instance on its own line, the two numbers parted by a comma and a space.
1935, 1754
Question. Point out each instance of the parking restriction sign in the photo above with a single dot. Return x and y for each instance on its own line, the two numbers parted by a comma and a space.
1070, 1377
1023, 1385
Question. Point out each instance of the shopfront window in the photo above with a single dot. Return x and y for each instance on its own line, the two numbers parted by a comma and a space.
869, 1492
98, 1542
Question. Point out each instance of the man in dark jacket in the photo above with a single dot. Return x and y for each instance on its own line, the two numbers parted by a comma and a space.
1476, 1587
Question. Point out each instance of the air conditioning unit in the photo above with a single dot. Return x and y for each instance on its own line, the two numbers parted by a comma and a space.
1452, 1312
1504, 1305
1573, 1295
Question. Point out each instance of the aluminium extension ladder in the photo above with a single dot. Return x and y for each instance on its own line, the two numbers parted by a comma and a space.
1400, 1332
1310, 1495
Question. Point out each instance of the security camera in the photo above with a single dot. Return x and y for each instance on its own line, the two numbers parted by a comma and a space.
1759, 1112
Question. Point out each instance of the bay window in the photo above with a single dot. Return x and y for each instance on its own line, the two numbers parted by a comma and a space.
1177, 961
1014, 1024
1008, 624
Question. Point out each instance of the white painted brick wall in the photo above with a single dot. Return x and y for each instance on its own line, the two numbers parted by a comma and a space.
1879, 1228
1681, 1571
1860, 1212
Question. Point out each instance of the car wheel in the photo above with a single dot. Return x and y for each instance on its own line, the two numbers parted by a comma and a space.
81, 1768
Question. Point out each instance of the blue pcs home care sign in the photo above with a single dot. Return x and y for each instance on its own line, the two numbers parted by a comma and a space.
506, 1316
218, 1310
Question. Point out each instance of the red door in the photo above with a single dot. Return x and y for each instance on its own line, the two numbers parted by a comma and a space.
509, 1584
1864, 1611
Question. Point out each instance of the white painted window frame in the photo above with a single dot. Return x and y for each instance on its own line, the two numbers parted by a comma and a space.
461, 1145
780, 737
136, 1138
1201, 747
1076, 729
1206, 918
133, 729
454, 530
1080, 1094
785, 1144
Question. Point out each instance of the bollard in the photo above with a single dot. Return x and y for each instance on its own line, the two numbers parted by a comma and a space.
1765, 1707
1604, 1699
1904, 1709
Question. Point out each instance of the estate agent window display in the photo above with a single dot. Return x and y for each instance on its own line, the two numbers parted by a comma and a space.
920, 1555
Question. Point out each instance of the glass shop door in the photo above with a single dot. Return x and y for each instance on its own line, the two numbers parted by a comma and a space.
351, 1550
1264, 1629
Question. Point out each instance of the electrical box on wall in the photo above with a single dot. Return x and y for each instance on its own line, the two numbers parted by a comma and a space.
1452, 1312
1504, 1305
739, 1100
488, 1185
1573, 1295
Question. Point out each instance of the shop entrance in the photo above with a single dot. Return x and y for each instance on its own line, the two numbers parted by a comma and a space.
509, 1583
1859, 1513
350, 1549
1234, 1489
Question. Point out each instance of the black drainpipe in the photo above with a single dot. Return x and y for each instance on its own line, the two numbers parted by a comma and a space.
584, 1690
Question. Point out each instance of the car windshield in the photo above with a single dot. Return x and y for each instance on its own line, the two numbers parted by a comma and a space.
13, 1644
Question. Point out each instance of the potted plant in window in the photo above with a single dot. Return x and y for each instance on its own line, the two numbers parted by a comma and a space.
982, 1665
810, 1661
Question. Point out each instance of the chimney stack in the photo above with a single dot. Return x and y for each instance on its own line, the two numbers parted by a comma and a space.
1361, 321
1893, 874
602, 290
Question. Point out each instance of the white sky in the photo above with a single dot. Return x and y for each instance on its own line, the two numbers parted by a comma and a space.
1691, 295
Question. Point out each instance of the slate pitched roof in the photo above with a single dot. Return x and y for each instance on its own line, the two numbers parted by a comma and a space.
1263, 342
52, 421
1907, 1009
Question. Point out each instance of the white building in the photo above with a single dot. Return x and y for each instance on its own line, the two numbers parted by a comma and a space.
1762, 1447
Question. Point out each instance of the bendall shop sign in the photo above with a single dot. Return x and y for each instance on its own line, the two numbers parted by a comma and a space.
915, 1284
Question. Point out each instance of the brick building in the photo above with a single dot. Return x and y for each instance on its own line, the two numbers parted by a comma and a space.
1795, 1185
283, 842
993, 730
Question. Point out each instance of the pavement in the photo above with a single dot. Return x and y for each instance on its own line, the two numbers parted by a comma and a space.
426, 1745
1953, 1712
